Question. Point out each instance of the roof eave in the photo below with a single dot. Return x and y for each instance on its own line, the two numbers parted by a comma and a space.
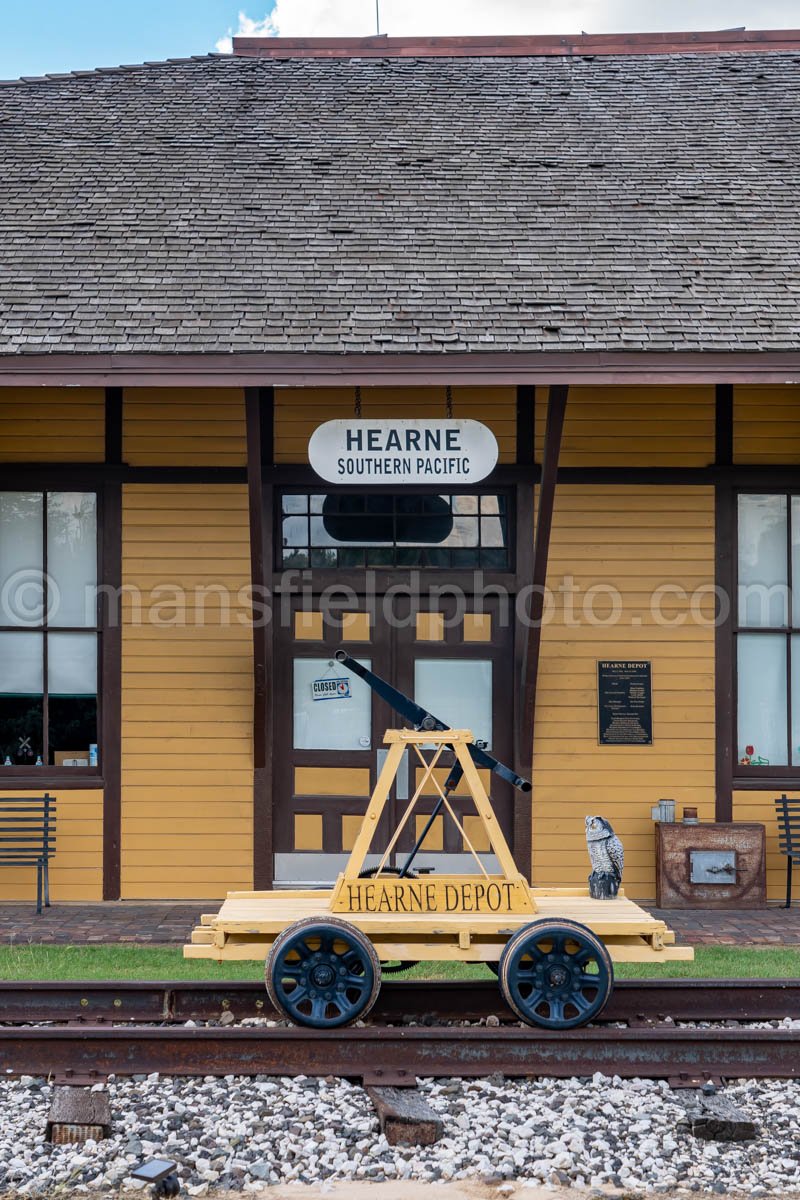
398, 370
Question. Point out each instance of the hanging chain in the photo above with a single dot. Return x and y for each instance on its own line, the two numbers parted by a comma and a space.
358, 402
449, 403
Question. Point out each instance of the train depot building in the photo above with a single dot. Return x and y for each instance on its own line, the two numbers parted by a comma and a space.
478, 358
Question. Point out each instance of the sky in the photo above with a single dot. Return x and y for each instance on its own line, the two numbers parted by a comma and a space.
63, 35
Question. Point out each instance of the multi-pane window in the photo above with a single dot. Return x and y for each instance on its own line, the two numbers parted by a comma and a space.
354, 530
49, 631
767, 631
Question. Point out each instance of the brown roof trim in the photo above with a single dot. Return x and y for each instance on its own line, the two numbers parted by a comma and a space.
496, 46
403, 370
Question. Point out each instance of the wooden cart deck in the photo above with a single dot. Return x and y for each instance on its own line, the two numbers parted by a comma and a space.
248, 923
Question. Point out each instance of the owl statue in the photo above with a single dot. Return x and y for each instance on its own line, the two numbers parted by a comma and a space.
606, 856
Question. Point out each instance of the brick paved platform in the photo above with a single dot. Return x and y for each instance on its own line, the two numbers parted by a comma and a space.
63, 924
722, 927
170, 924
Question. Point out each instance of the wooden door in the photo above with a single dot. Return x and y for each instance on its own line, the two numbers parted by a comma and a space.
459, 664
329, 729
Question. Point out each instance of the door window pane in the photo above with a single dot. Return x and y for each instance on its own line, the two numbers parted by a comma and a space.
72, 557
331, 717
458, 692
763, 561
762, 698
21, 558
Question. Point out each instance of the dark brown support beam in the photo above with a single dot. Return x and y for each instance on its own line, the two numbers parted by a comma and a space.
556, 408
526, 478
113, 425
111, 685
259, 409
725, 534
522, 843
723, 455
526, 425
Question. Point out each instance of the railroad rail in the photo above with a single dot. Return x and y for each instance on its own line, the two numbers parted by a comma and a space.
176, 1001
396, 1055
98, 1029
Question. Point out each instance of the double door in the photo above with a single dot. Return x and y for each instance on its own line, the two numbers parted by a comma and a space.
453, 660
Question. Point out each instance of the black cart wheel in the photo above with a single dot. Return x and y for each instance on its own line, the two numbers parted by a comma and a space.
556, 974
394, 966
323, 973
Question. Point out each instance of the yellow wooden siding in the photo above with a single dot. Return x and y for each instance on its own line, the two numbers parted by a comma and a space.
76, 870
766, 424
184, 427
760, 807
187, 760
298, 412
634, 539
633, 426
52, 424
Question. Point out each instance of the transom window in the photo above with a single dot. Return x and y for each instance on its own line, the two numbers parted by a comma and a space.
767, 631
352, 530
49, 629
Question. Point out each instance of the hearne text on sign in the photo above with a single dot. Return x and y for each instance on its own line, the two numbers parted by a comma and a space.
411, 450
427, 896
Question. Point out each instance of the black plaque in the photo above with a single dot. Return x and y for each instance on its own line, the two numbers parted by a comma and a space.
624, 703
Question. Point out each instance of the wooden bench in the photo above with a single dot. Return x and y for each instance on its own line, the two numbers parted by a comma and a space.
27, 838
788, 814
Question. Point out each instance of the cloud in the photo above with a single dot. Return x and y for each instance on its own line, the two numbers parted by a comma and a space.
247, 28
355, 18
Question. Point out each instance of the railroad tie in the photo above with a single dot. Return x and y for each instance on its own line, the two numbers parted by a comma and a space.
78, 1114
715, 1118
406, 1119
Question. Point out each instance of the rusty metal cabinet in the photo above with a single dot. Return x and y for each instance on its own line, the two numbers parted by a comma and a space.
710, 865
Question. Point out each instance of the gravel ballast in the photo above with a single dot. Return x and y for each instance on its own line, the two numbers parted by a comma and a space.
242, 1133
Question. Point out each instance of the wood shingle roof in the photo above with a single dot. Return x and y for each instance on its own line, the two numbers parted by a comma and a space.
414, 204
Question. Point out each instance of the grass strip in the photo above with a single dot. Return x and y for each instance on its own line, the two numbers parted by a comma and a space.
81, 962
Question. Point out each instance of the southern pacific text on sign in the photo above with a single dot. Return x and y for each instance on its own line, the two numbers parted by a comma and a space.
414, 451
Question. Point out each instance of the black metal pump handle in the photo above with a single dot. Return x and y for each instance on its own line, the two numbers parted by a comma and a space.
421, 719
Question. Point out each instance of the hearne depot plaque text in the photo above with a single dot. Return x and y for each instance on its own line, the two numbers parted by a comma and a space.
624, 703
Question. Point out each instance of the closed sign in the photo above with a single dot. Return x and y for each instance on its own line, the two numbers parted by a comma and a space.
403, 451
330, 689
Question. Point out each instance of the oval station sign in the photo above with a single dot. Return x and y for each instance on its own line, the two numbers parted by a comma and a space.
402, 451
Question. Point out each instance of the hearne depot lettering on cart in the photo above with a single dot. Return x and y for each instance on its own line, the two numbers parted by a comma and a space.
425, 896
411, 451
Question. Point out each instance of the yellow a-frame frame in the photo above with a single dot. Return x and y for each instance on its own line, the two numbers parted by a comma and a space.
481, 892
